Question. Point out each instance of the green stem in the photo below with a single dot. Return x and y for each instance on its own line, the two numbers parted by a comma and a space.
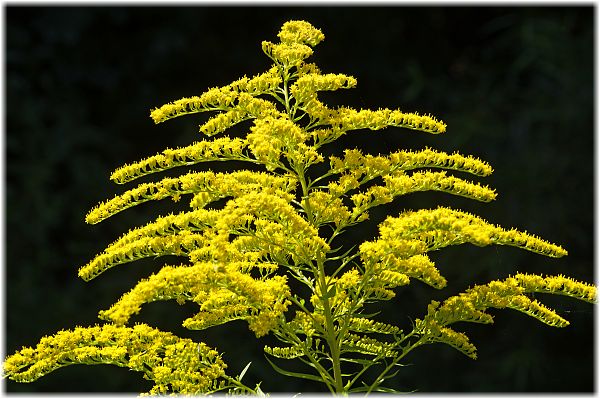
320, 276
235, 383
392, 364
331, 338
326, 377
321, 280
301, 306
305, 191
286, 78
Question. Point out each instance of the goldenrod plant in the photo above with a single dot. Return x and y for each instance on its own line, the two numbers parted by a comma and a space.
263, 245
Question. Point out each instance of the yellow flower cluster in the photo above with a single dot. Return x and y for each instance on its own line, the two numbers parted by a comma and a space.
214, 185
368, 346
361, 324
269, 137
220, 149
306, 68
357, 169
399, 252
262, 305
176, 234
175, 364
288, 55
223, 121
373, 166
400, 184
560, 285
345, 119
300, 32
303, 236
179, 244
320, 115
306, 86
406, 160
437, 333
442, 226
390, 270
391, 279
215, 287
350, 119
290, 352
197, 220
326, 208
273, 137
307, 324
470, 306
374, 251
260, 84
219, 99
248, 107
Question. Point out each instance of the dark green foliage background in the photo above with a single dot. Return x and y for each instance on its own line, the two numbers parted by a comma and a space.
514, 85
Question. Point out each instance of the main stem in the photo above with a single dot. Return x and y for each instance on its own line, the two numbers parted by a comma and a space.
321, 280
320, 277
332, 339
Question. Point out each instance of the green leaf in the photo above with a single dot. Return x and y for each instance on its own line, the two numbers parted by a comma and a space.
294, 374
244, 371
364, 362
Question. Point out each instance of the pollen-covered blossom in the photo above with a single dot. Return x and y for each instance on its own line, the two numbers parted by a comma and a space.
373, 166
174, 364
321, 115
345, 119
307, 324
289, 55
434, 332
306, 68
560, 285
368, 346
349, 279
328, 209
300, 32
404, 241
219, 149
420, 267
306, 87
223, 121
357, 169
216, 185
400, 184
177, 244
196, 220
470, 306
247, 107
290, 352
270, 137
361, 324
438, 159
351, 119
259, 84
215, 287
301, 235
187, 233
218, 99
442, 226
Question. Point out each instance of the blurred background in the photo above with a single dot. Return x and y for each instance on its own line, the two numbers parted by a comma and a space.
514, 84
